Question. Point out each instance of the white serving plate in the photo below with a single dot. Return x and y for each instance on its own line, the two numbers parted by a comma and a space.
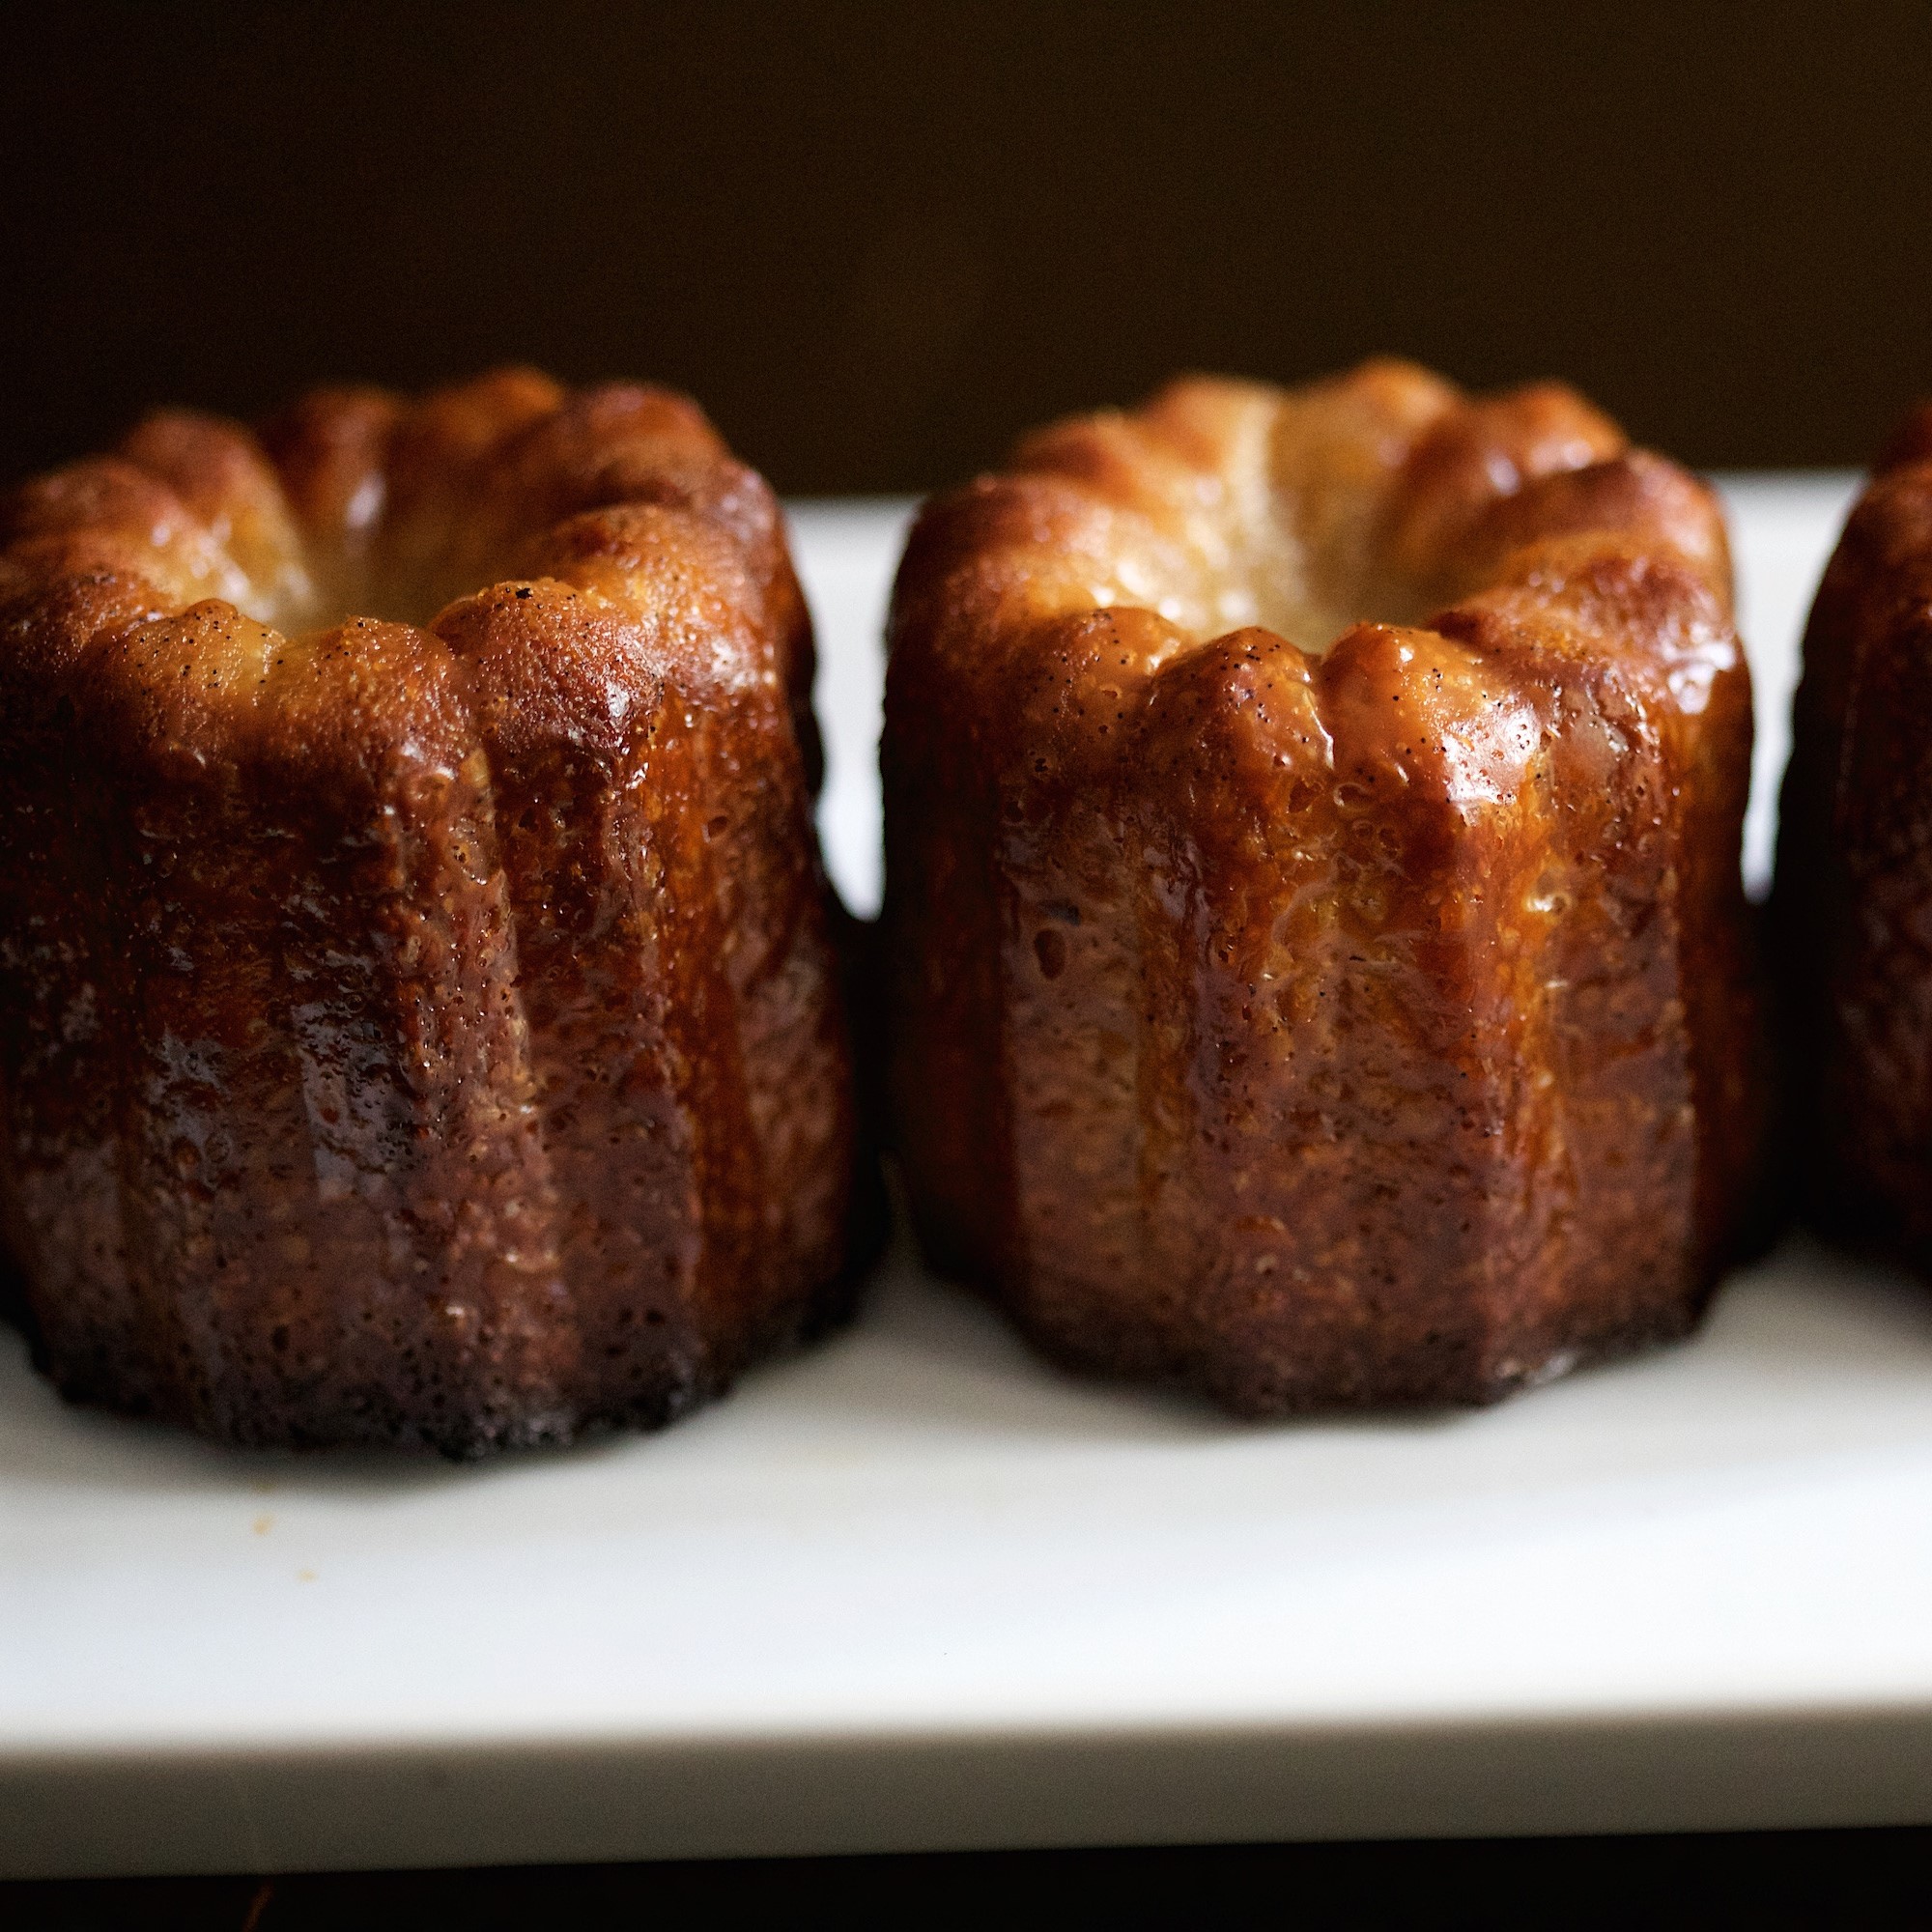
917, 1590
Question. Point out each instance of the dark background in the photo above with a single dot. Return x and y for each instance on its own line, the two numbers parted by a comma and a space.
1873, 1881
876, 242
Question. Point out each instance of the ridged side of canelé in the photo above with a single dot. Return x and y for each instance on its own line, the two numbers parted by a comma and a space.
1852, 903
415, 1031
1325, 1028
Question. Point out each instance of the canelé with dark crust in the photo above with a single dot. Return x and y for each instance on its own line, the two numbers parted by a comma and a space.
419, 1025
1852, 905
1296, 995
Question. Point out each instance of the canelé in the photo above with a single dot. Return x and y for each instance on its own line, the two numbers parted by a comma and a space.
1318, 961
1852, 903
419, 1013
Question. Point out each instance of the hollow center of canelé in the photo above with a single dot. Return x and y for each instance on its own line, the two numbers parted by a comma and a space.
1274, 580
305, 594
1255, 544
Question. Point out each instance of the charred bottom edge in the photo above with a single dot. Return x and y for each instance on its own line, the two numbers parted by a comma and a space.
378, 1419
1458, 1375
1459, 1381
371, 1420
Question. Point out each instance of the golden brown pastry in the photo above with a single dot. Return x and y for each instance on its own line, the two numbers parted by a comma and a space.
417, 1016
1852, 905
1296, 995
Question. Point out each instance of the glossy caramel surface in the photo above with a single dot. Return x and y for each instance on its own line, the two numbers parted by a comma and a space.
1296, 994
1852, 902
419, 1017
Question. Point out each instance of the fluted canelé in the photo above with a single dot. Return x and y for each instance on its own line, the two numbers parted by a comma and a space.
419, 1018
1295, 994
1852, 905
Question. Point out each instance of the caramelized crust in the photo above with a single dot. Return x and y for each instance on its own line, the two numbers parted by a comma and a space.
423, 1025
1295, 994
1852, 905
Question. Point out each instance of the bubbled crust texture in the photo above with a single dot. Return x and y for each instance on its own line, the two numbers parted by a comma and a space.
1851, 906
418, 1028
1325, 1028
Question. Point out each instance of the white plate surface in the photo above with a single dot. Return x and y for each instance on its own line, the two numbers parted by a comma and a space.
915, 1589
